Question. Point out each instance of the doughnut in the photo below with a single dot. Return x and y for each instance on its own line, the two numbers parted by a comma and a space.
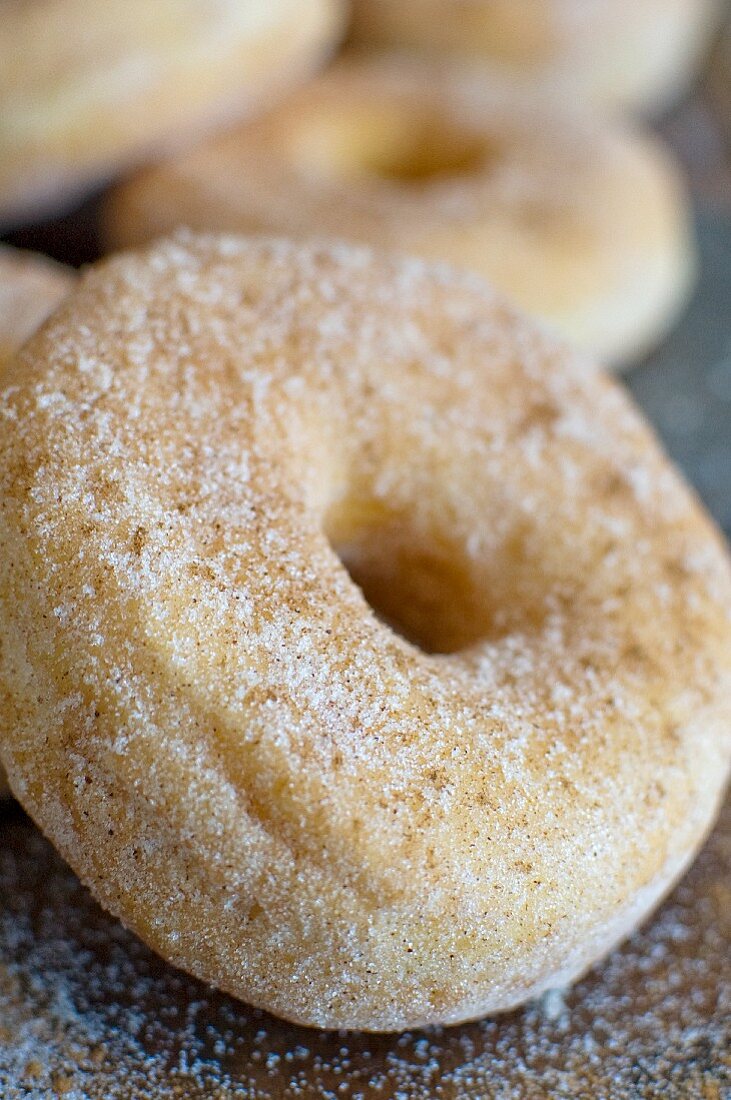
638, 54
377, 666
30, 287
583, 223
91, 89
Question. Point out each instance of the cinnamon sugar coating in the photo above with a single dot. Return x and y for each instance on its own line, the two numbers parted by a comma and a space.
582, 221
242, 475
30, 287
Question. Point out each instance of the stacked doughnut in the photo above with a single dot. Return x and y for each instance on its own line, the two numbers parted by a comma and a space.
88, 90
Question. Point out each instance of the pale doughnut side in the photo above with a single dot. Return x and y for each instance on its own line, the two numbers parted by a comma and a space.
272, 786
30, 288
585, 223
89, 90
616, 53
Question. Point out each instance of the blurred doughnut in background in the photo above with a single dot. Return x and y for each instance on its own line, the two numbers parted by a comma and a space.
87, 89
31, 286
582, 220
638, 54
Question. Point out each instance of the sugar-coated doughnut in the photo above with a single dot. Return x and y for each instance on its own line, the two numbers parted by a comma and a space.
90, 88
30, 287
242, 476
583, 223
618, 53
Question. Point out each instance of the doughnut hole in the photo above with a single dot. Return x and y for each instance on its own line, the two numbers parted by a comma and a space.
400, 144
425, 586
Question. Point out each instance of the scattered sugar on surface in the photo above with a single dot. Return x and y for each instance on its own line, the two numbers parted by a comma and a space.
87, 1013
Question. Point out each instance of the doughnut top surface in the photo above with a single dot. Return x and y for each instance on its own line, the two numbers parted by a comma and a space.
379, 659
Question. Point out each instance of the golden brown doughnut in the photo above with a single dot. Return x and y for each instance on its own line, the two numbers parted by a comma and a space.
619, 53
30, 287
88, 89
584, 223
266, 454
